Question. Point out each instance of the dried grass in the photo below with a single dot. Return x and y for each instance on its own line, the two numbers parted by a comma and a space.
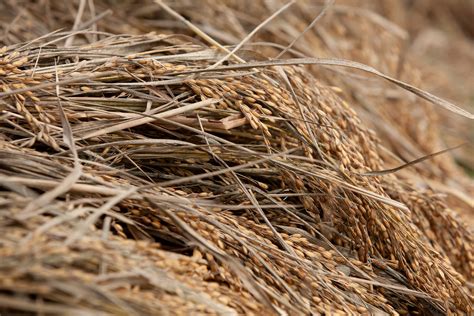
140, 176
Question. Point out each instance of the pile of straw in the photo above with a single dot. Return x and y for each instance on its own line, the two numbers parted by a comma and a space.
164, 173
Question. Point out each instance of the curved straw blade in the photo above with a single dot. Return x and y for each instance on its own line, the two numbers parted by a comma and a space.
348, 64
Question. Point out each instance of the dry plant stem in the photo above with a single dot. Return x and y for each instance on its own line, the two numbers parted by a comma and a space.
138, 178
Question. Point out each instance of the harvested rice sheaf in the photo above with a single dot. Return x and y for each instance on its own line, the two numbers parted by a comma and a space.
137, 177
254, 178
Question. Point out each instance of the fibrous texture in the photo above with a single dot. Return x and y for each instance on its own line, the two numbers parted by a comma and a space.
158, 174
